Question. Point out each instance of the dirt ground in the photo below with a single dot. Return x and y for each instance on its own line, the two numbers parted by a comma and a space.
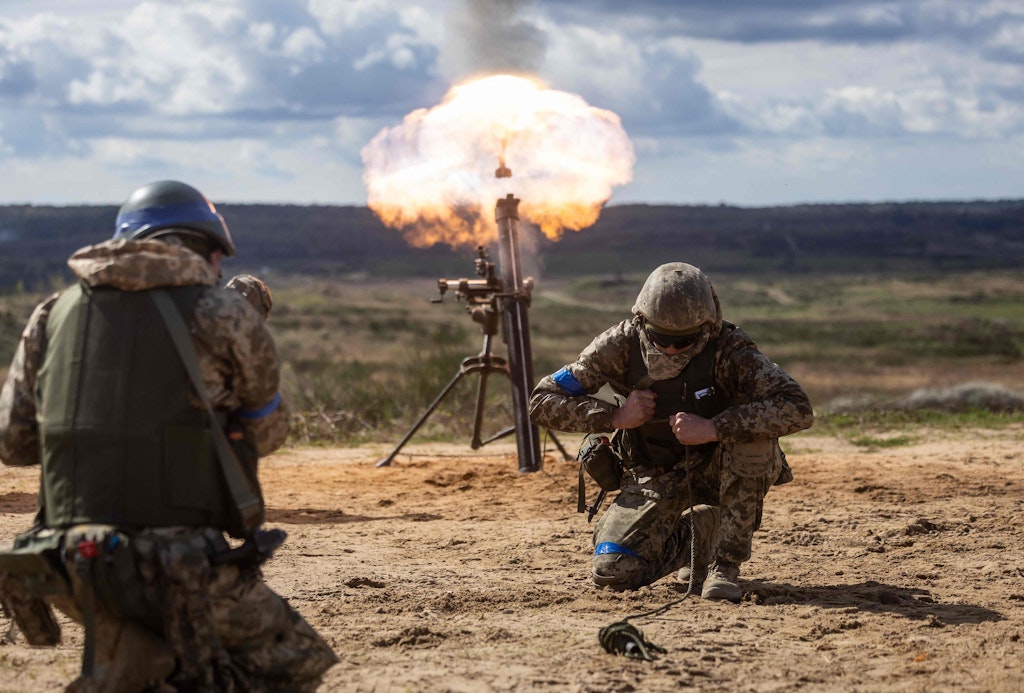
888, 569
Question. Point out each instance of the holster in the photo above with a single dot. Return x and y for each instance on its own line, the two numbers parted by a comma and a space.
30, 572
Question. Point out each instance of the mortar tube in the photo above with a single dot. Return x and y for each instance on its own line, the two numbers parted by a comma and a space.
517, 332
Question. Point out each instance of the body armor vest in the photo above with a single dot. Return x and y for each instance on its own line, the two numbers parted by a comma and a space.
121, 442
693, 391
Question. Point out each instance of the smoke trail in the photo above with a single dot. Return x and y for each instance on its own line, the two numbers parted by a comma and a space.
489, 36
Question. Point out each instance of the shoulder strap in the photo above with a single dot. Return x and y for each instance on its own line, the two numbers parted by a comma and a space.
250, 507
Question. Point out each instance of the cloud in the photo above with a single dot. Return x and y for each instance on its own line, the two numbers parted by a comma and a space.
654, 86
208, 61
126, 85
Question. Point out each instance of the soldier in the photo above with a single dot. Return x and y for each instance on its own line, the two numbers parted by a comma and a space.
136, 496
698, 413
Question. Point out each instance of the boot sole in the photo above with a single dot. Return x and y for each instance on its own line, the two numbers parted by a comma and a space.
729, 594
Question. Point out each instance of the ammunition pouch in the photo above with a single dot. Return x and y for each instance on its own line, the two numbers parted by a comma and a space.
30, 572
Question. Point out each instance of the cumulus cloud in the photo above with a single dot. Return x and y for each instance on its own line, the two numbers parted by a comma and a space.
231, 59
125, 84
655, 86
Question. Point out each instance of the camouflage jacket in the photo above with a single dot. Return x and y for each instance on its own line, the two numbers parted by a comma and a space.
765, 401
237, 357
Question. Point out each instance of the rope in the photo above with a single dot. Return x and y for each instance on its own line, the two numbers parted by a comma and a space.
622, 637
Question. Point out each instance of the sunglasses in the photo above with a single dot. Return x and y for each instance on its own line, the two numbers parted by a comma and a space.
673, 340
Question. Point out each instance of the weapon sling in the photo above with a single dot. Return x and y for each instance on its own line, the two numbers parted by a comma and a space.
250, 507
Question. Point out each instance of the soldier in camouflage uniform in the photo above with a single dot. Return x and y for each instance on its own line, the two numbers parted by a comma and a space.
697, 417
132, 490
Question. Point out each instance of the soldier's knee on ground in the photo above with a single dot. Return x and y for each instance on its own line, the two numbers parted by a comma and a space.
617, 569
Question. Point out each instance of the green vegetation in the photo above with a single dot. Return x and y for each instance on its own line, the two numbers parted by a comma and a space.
373, 379
873, 442
364, 358
890, 427
878, 310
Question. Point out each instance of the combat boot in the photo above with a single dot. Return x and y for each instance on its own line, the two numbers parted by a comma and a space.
705, 527
699, 576
721, 582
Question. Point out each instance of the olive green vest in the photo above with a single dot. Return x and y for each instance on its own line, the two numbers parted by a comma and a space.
121, 443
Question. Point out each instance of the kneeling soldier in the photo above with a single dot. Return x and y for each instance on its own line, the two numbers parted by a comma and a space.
698, 415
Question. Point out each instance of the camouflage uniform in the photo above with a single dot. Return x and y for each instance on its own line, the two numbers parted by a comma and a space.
646, 526
194, 618
254, 290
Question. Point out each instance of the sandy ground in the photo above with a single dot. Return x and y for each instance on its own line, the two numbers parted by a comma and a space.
889, 569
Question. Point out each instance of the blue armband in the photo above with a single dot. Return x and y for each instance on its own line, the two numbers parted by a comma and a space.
611, 547
263, 411
567, 381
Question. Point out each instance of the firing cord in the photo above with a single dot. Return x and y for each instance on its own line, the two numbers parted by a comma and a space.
693, 553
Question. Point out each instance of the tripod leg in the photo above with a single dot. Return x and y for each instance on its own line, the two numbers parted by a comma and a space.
430, 410
478, 416
558, 444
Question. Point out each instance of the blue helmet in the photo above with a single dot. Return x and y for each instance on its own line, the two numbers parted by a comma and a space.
169, 204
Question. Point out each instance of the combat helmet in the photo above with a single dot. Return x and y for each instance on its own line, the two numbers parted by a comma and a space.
677, 299
169, 204
253, 290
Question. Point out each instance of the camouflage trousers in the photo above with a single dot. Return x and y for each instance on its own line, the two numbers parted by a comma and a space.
645, 534
160, 616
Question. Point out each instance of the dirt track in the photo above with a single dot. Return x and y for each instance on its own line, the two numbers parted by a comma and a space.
898, 569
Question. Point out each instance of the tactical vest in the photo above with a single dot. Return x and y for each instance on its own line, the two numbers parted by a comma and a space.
694, 391
121, 443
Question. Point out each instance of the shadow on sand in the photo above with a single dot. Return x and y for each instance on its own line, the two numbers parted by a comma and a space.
314, 516
870, 596
17, 502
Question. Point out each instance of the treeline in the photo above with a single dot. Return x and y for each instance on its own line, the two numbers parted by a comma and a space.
341, 241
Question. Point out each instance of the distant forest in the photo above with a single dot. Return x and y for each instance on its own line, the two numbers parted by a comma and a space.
346, 241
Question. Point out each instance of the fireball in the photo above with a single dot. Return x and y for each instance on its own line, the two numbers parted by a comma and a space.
436, 176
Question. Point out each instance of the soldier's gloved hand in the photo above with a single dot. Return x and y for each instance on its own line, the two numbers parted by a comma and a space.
635, 411
691, 429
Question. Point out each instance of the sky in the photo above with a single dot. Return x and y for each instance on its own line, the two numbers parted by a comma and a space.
741, 102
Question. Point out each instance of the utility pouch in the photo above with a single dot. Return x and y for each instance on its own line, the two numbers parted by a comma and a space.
599, 459
753, 459
104, 558
30, 571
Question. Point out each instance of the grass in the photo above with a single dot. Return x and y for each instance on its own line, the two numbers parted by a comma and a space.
873, 442
894, 424
363, 358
